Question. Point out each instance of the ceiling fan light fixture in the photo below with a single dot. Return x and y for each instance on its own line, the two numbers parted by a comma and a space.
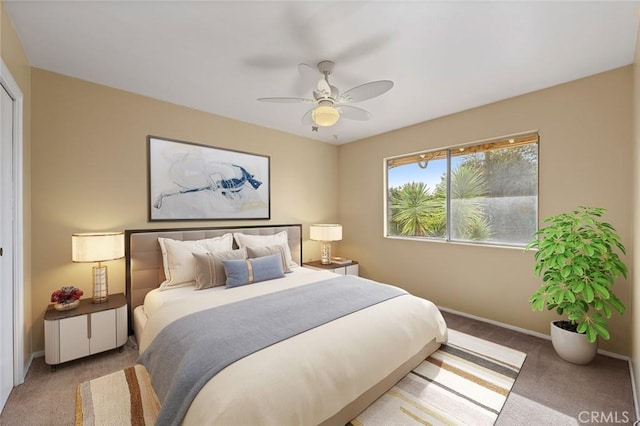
325, 115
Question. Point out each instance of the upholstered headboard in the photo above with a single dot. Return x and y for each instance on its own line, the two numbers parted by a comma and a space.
144, 269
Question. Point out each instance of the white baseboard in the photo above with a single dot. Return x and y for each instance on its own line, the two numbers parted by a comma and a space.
498, 323
25, 370
33, 356
525, 331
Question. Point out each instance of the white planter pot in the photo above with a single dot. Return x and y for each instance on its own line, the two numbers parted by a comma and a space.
572, 347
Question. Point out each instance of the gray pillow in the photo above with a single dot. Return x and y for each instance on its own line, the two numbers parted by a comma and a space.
209, 267
253, 252
248, 271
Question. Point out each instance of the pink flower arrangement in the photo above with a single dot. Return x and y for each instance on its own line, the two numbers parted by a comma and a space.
66, 294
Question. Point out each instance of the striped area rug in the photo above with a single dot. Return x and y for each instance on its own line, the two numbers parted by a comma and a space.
117, 399
465, 382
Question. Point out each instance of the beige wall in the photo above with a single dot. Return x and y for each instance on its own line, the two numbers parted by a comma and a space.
586, 143
15, 59
89, 166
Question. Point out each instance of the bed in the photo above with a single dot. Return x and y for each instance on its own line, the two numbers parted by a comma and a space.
326, 374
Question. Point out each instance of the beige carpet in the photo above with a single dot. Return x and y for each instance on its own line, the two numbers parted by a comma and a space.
465, 382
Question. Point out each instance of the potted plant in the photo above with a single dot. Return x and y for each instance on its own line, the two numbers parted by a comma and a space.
577, 257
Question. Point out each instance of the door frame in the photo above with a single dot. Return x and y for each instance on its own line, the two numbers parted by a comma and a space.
12, 88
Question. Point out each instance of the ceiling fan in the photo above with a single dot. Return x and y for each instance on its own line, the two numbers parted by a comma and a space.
331, 105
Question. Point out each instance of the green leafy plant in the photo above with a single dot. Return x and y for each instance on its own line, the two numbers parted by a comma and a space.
578, 260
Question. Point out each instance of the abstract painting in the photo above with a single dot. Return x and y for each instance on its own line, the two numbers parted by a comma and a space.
189, 181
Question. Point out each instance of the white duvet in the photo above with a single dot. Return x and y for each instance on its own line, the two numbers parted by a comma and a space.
310, 377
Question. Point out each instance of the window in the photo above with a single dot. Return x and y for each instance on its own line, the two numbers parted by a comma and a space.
485, 193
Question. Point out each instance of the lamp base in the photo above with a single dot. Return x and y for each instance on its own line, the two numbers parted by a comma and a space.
100, 284
325, 252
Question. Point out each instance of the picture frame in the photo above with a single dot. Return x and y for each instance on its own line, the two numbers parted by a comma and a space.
191, 181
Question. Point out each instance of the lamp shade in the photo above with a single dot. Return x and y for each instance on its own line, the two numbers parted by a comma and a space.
325, 232
97, 247
325, 115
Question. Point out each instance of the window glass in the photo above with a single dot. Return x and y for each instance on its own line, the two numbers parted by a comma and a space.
417, 197
485, 193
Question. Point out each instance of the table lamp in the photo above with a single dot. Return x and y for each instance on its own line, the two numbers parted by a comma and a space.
325, 233
98, 247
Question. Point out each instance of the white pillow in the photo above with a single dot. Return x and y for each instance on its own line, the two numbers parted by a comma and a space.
279, 249
257, 241
177, 257
210, 269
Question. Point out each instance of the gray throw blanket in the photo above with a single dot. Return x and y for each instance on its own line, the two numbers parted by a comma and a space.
190, 351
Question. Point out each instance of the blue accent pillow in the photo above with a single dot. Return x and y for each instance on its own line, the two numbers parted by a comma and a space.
248, 271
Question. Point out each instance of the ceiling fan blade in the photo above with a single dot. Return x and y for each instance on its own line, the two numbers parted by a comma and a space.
286, 100
353, 113
366, 91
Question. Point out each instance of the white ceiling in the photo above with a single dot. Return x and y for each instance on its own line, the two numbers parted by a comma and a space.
216, 56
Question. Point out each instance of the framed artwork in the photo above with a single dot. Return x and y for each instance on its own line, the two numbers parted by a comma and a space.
189, 181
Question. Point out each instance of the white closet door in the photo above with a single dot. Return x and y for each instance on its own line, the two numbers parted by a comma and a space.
6, 243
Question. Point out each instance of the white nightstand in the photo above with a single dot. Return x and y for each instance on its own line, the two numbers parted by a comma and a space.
350, 268
88, 329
